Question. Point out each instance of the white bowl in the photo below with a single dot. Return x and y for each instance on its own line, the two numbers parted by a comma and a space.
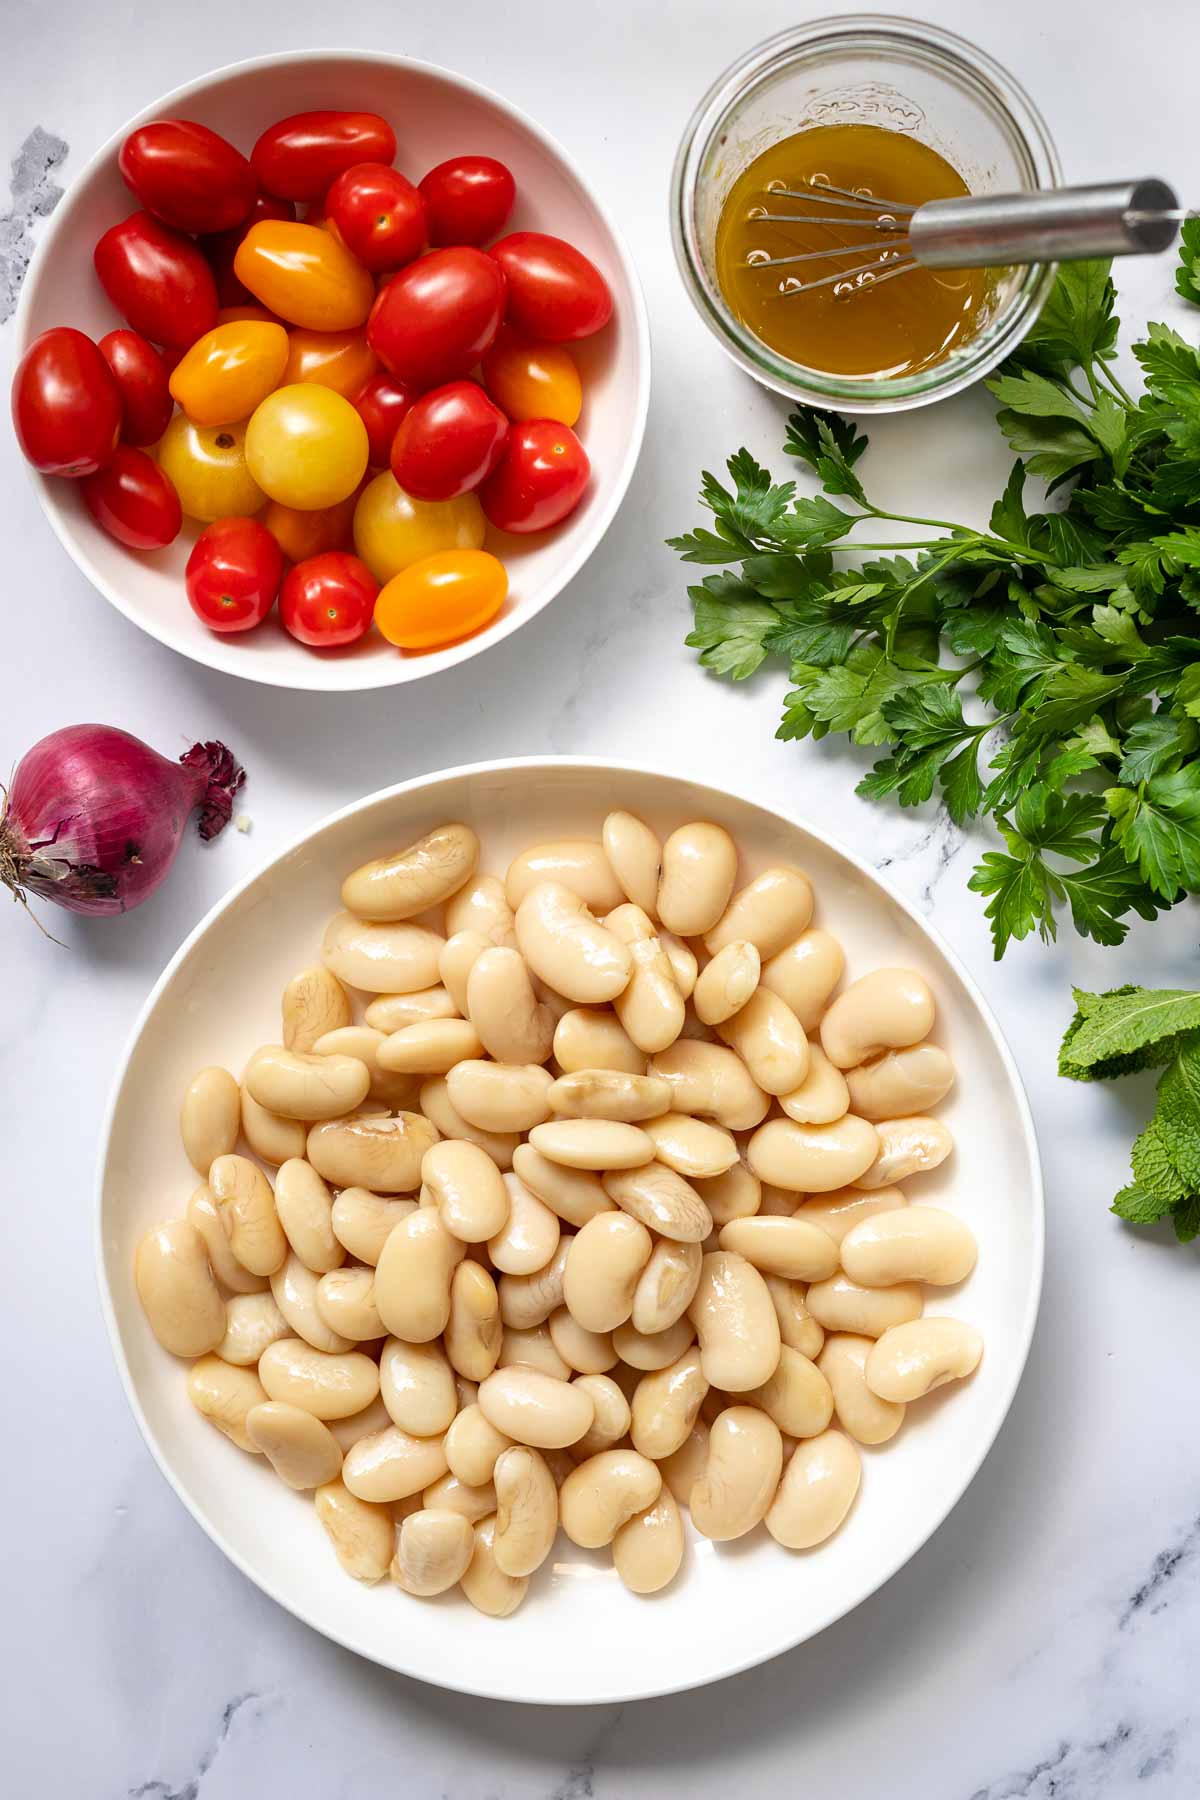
436, 114
579, 1636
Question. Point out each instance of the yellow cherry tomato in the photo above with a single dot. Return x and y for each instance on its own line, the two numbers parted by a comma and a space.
533, 381
392, 530
305, 275
304, 534
341, 360
306, 446
207, 467
229, 370
441, 598
229, 313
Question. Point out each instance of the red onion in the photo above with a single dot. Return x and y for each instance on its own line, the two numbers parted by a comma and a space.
94, 817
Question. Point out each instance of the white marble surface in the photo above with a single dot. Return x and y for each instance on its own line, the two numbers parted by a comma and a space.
1038, 1647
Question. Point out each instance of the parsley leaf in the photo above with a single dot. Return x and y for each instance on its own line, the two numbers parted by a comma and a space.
732, 626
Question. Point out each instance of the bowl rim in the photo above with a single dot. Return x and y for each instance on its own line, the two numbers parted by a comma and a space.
517, 766
384, 672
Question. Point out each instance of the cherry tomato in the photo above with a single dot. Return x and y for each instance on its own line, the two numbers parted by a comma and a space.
306, 446
158, 279
436, 318
381, 403
233, 574
299, 157
222, 246
304, 274
533, 381
301, 534
554, 292
328, 600
540, 479
133, 500
379, 215
206, 464
448, 442
441, 598
228, 314
228, 371
187, 176
141, 375
341, 360
392, 530
467, 199
66, 405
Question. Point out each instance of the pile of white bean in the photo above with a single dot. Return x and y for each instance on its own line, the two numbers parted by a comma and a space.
578, 1225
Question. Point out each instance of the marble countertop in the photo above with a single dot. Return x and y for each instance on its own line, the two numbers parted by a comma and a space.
1038, 1646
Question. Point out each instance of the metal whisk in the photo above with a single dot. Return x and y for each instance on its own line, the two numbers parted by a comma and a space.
978, 231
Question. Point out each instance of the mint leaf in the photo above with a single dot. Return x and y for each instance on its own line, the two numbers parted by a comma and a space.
1186, 1218
1138, 1206
1153, 1168
1178, 1111
1129, 1022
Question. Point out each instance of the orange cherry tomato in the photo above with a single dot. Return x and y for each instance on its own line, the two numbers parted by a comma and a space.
228, 371
441, 598
228, 314
304, 274
341, 360
533, 381
311, 533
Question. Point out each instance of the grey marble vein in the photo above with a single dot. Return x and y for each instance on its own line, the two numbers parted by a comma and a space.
190, 1789
943, 838
1080, 1771
35, 194
1167, 1565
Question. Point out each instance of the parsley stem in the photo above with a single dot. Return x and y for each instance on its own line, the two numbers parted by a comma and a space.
1117, 387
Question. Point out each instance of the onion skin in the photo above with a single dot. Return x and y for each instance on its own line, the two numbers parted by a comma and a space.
94, 817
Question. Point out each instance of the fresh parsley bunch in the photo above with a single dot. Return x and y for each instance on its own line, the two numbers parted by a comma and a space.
1077, 628
1133, 1028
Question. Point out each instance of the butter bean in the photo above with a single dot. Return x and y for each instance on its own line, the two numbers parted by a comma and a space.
822, 1097
683, 1468
728, 982
532, 1347
911, 1359
585, 1352
354, 1426
840, 1304
599, 1496
439, 1109
209, 1117
711, 1080
514, 1025
473, 1332
392, 1012
914, 1243
529, 1236
433, 1552
604, 1262
666, 1286
378, 1153
304, 1206
662, 1200
534, 1408
526, 1511
467, 1189
737, 1194
314, 1002
797, 1327
735, 1323
459, 955
609, 1094
481, 906
346, 1302
699, 867
635, 857
485, 1584
306, 1086
568, 948
591, 1038
271, 1138
381, 958
575, 863
770, 1041
900, 1083
574, 1194
390, 1465
648, 1549
653, 1350
813, 1159
528, 1300
416, 1384
793, 1248
777, 1203
294, 1288
430, 1047
243, 1198
838, 1212
507, 1097
861, 1413
650, 1008
362, 1535
302, 1451
817, 1491
610, 1420
202, 1212
592, 1143
745, 1457
412, 1277
805, 973
472, 1445
328, 1386
666, 1403
362, 1221
885, 1010
798, 1396
906, 1147
449, 1494
682, 959
393, 1091
412, 880
691, 1147
769, 913
224, 1394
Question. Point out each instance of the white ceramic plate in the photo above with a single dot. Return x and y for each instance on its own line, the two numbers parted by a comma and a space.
436, 114
579, 1636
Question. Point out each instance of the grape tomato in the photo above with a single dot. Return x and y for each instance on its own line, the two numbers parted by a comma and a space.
298, 157
310, 531
392, 530
305, 275
381, 403
328, 600
157, 279
448, 442
133, 500
228, 371
437, 317
233, 574
467, 199
206, 465
554, 291
222, 247
533, 381
379, 215
306, 446
540, 479
141, 375
66, 405
187, 176
341, 360
441, 598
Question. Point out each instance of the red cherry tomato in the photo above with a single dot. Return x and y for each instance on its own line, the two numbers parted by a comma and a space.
554, 292
448, 442
436, 318
142, 376
222, 246
540, 479
233, 574
133, 500
66, 406
381, 403
299, 157
187, 176
379, 215
158, 279
328, 600
467, 199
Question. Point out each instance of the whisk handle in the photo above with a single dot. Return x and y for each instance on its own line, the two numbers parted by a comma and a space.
1117, 218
